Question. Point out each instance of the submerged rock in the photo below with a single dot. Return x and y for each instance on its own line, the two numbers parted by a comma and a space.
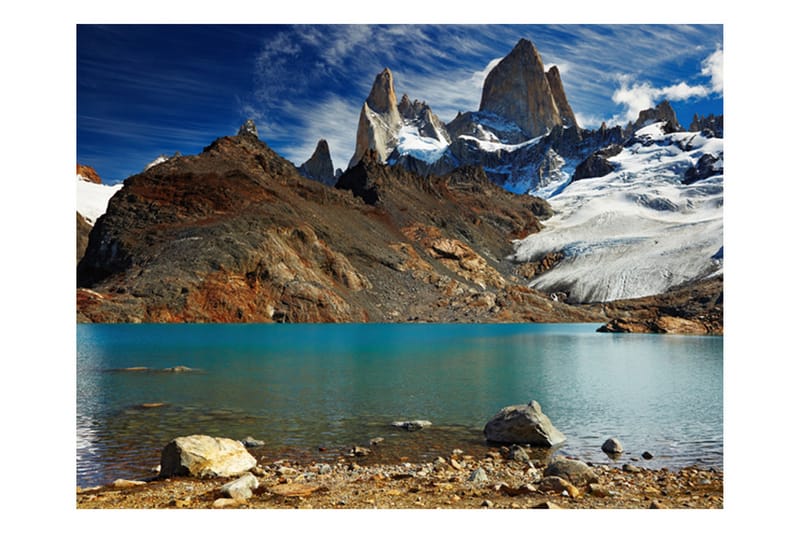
204, 456
412, 425
250, 442
523, 424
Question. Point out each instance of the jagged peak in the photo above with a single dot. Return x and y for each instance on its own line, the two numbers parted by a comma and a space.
248, 128
382, 98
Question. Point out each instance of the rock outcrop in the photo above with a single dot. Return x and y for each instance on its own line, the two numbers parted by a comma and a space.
663, 112
518, 90
205, 457
523, 424
88, 173
557, 88
379, 121
319, 166
711, 123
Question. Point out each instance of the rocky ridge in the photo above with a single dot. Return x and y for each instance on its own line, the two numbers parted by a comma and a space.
236, 234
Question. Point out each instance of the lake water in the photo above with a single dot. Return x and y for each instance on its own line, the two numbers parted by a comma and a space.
312, 391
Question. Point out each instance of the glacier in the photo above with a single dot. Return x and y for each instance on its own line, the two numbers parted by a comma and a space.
637, 231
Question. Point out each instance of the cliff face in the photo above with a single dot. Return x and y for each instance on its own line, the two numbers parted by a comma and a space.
518, 90
236, 234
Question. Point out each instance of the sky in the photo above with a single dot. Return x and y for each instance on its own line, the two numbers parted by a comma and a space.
147, 90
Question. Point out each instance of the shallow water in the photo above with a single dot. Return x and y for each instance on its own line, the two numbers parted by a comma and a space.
300, 388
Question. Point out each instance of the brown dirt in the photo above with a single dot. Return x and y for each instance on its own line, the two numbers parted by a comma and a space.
441, 484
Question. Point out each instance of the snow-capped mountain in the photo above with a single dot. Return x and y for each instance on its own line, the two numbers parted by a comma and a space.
638, 209
640, 229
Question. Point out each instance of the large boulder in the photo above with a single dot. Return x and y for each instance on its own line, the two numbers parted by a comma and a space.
205, 457
523, 424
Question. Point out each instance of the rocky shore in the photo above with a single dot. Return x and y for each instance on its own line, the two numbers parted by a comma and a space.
510, 472
498, 480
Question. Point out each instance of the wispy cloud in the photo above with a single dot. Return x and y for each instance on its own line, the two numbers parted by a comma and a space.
638, 96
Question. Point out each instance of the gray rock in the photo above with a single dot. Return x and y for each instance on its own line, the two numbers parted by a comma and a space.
250, 442
478, 476
557, 484
647, 455
576, 472
523, 424
518, 454
612, 446
241, 488
412, 425
204, 456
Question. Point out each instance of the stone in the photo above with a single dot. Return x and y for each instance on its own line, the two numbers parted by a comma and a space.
647, 455
631, 469
412, 425
478, 476
360, 451
375, 441
250, 442
295, 490
241, 488
612, 446
126, 483
523, 424
205, 457
517, 453
576, 472
221, 503
595, 489
558, 485
546, 505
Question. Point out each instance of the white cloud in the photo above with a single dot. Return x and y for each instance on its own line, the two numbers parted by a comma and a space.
638, 96
712, 67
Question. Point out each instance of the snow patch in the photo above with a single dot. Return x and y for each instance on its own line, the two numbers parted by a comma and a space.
92, 198
411, 142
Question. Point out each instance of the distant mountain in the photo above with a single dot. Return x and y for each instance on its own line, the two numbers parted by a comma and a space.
319, 166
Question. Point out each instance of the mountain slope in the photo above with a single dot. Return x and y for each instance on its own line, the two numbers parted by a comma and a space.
236, 234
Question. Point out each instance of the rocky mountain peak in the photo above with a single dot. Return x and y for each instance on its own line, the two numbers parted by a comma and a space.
249, 127
560, 97
88, 173
663, 112
382, 98
320, 166
518, 89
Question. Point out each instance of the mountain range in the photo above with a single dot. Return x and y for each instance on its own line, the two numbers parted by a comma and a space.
512, 212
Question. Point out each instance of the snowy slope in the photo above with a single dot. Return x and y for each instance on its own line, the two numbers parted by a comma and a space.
92, 198
637, 231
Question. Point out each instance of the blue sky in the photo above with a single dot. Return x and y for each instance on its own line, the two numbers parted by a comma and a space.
146, 90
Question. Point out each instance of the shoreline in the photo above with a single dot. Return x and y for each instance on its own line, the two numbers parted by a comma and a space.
450, 481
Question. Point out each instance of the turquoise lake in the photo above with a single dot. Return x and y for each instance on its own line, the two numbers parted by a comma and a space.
312, 391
